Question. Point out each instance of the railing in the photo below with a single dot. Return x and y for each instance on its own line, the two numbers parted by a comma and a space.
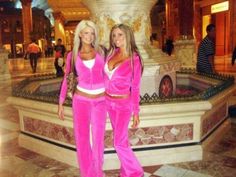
225, 81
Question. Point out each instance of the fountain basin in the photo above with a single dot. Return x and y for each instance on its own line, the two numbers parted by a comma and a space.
171, 129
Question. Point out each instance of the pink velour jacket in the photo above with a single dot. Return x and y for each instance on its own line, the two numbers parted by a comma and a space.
126, 80
89, 79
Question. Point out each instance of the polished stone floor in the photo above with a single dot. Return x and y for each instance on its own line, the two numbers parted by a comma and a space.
218, 161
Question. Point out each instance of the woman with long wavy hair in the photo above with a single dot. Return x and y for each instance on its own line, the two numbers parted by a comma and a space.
123, 70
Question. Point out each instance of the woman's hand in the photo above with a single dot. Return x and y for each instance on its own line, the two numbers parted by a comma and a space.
60, 111
136, 121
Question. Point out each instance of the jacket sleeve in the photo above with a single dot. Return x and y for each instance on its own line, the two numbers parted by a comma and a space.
135, 85
63, 91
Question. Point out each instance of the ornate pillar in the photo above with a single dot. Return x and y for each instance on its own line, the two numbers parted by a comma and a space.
186, 18
59, 26
27, 21
136, 14
197, 23
232, 5
185, 44
4, 72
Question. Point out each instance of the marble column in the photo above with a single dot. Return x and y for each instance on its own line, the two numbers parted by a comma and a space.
4, 71
59, 26
186, 18
172, 18
136, 14
107, 13
26, 21
185, 44
197, 23
232, 39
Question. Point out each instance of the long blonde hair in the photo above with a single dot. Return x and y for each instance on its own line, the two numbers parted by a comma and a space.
77, 45
130, 45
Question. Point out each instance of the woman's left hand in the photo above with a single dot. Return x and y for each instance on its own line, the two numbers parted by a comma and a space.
136, 121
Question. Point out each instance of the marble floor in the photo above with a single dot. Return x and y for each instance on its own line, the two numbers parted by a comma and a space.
219, 160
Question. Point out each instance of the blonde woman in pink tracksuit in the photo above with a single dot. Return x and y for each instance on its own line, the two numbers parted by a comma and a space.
123, 70
88, 102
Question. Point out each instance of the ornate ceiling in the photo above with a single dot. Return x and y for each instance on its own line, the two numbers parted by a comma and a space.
72, 10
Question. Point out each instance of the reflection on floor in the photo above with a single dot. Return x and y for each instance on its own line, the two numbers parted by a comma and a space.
219, 160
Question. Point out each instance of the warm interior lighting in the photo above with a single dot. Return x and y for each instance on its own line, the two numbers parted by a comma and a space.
205, 21
220, 7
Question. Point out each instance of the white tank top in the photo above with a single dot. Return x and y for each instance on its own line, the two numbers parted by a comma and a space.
96, 91
90, 64
108, 72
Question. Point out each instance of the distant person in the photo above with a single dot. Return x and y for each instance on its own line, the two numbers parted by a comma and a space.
50, 50
123, 71
154, 40
60, 48
33, 50
46, 50
206, 52
59, 58
234, 56
169, 45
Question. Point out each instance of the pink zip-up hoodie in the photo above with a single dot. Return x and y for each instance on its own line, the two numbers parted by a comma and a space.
125, 81
89, 79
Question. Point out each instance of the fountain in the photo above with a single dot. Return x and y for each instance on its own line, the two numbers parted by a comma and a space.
174, 127
180, 123
107, 13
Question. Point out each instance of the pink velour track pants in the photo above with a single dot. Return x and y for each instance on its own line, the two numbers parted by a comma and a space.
89, 112
119, 111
